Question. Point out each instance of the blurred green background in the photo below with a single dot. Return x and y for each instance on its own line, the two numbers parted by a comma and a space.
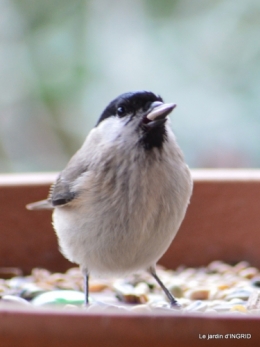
62, 61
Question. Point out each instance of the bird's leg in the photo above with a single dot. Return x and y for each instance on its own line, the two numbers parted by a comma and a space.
173, 301
86, 288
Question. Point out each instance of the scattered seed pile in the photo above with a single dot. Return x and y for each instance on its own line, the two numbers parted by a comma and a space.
217, 288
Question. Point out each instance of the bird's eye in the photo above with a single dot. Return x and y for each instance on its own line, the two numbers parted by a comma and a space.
121, 111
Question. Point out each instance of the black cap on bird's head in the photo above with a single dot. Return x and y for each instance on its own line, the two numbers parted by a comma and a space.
150, 112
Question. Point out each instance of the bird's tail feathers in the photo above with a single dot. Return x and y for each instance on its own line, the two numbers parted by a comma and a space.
40, 205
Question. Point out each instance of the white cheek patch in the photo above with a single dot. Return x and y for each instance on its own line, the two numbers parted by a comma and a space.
111, 128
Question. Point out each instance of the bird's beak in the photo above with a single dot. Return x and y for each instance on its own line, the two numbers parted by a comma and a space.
159, 111
156, 116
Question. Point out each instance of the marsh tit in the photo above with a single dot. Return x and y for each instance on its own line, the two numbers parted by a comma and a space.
120, 201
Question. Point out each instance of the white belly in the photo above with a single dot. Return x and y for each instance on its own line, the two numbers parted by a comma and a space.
123, 229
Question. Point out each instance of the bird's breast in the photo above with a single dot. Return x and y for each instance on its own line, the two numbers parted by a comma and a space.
126, 215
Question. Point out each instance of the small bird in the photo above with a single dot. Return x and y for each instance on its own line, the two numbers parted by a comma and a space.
121, 199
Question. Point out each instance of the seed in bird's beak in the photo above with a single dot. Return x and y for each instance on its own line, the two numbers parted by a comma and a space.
160, 111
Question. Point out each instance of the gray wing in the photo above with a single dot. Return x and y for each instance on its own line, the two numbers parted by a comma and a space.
62, 191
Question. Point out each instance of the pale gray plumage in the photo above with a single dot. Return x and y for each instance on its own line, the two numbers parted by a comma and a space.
122, 197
